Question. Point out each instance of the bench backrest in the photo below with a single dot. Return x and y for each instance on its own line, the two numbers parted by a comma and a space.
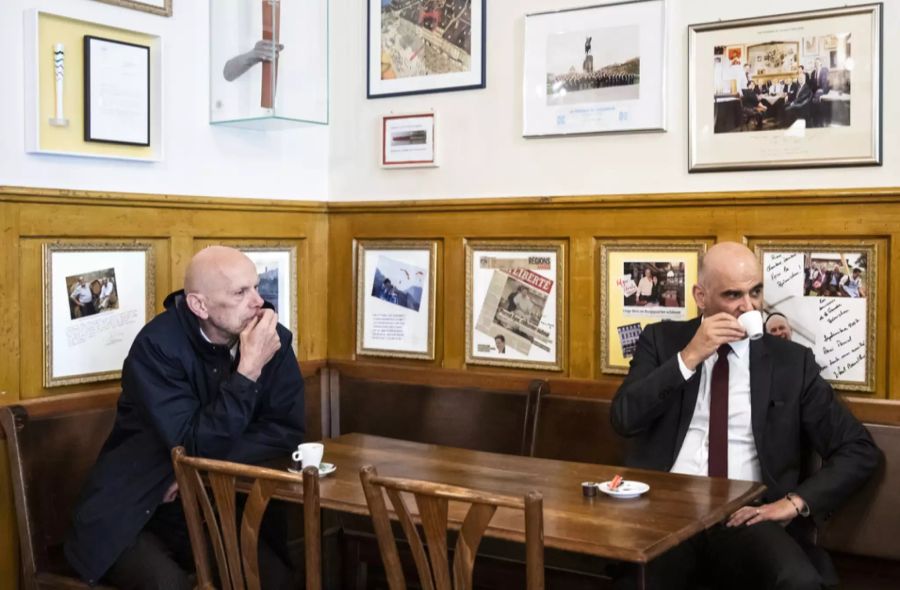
577, 429
52, 445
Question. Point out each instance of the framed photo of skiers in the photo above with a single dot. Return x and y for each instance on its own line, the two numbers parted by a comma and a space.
515, 303
97, 297
418, 46
395, 298
595, 69
786, 91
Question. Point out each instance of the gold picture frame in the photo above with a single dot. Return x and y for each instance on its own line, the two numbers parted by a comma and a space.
628, 306
88, 329
395, 283
160, 7
529, 331
800, 283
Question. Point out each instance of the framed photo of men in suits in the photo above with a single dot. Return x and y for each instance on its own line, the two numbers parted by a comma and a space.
825, 295
642, 282
804, 91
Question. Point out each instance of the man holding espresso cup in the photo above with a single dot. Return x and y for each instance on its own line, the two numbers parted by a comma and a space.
715, 397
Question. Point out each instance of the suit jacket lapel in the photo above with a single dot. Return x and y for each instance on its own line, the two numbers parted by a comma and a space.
760, 387
689, 393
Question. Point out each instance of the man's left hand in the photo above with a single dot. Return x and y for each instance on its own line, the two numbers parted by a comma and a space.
781, 511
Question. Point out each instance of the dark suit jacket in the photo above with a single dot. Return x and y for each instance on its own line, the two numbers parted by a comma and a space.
792, 408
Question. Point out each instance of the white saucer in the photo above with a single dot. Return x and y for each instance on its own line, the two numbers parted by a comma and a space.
626, 490
324, 469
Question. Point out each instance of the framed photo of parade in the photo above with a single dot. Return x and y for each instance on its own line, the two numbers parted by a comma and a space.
395, 298
825, 294
595, 69
786, 91
515, 302
97, 297
642, 283
416, 46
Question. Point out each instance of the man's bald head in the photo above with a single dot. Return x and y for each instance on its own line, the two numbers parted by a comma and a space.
729, 280
212, 268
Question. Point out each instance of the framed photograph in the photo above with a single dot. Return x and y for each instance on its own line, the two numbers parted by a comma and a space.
395, 298
407, 141
417, 46
515, 303
97, 297
278, 277
642, 283
116, 91
160, 7
803, 91
595, 69
823, 295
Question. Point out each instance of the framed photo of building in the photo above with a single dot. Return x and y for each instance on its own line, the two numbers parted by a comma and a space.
395, 298
823, 294
515, 303
160, 7
417, 46
97, 297
786, 91
642, 283
408, 141
595, 69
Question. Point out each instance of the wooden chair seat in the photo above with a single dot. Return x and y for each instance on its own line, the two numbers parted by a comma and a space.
432, 503
237, 556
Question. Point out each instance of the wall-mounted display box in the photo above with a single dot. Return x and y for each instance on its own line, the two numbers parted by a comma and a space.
91, 89
268, 63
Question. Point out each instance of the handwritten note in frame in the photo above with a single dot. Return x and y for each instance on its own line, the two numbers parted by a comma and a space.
827, 293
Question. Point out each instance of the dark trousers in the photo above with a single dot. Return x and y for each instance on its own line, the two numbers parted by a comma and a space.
161, 556
762, 556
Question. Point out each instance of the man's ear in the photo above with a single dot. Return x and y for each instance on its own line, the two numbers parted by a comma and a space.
197, 304
699, 297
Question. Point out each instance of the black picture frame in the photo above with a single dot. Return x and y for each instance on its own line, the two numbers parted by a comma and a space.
90, 76
474, 78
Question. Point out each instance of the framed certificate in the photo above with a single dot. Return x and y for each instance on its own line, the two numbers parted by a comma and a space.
116, 91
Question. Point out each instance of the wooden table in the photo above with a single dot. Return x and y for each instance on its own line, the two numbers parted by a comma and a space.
676, 507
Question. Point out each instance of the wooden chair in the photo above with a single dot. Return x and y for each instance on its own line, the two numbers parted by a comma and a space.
237, 559
432, 501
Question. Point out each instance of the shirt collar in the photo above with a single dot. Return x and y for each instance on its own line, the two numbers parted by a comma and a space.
232, 351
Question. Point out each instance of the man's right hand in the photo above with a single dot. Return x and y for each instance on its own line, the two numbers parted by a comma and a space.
259, 343
714, 331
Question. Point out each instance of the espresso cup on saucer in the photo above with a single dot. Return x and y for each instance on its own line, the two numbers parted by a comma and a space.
753, 323
308, 454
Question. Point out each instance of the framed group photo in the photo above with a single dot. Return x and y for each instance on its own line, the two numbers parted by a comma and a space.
824, 294
418, 46
395, 298
643, 283
786, 91
97, 297
515, 303
595, 69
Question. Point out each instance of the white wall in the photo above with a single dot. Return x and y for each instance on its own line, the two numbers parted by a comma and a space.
198, 159
482, 149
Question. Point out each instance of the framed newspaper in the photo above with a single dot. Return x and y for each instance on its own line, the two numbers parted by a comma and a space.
515, 303
395, 293
823, 294
642, 283
97, 297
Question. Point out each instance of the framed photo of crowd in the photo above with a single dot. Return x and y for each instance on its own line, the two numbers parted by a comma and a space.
786, 91
824, 295
642, 283
515, 303
418, 46
97, 297
595, 69
395, 298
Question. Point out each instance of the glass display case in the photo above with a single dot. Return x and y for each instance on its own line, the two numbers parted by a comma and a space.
268, 63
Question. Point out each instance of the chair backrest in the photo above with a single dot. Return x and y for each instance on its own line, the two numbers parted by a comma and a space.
52, 443
237, 557
432, 503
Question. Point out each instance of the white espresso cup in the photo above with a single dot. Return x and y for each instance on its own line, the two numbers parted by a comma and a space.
753, 323
309, 454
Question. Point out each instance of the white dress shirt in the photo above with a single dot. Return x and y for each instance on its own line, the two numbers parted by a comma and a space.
693, 457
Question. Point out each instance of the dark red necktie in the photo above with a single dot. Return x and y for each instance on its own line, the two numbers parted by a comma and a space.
718, 415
